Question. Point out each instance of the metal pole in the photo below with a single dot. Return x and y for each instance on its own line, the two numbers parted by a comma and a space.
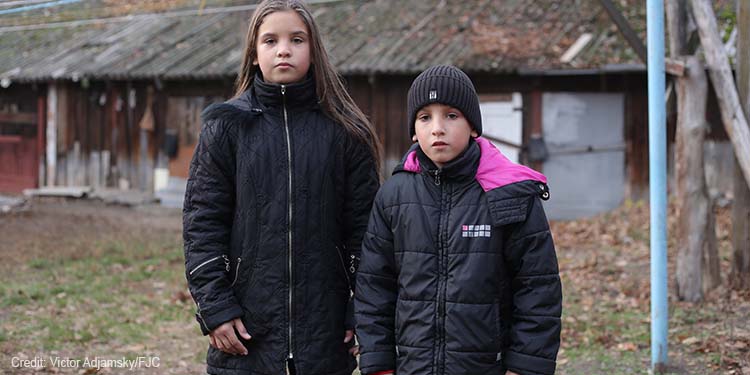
657, 132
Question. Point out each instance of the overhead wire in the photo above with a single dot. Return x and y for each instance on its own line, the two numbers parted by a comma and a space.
134, 17
37, 6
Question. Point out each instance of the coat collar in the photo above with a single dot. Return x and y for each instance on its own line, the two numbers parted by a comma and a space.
462, 168
296, 96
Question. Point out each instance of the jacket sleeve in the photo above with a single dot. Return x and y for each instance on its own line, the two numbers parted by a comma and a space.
537, 295
375, 295
207, 223
362, 184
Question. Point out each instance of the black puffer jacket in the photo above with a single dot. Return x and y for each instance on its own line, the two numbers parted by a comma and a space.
459, 273
276, 206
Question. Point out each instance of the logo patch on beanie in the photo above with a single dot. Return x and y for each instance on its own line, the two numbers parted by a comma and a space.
433, 94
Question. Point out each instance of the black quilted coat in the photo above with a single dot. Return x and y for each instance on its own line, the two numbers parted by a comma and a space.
276, 206
458, 273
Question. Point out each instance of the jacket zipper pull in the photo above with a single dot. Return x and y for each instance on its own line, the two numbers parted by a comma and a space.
226, 261
436, 175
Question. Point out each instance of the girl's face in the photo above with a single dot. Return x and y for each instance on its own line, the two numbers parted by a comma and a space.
442, 132
283, 48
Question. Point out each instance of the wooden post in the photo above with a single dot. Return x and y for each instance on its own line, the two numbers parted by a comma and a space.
697, 260
535, 123
130, 172
51, 134
740, 274
695, 208
732, 114
38, 161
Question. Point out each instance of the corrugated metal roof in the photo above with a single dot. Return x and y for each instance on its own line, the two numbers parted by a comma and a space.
362, 37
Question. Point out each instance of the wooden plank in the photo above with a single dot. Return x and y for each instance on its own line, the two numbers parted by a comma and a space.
676, 17
636, 139
95, 169
51, 132
675, 67
627, 32
68, 191
535, 123
12, 139
378, 108
732, 113
39, 156
18, 118
740, 275
694, 210
65, 134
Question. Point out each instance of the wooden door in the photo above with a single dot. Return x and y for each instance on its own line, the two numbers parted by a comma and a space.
18, 151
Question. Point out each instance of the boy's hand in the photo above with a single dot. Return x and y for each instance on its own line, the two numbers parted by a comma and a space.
510, 373
349, 336
224, 338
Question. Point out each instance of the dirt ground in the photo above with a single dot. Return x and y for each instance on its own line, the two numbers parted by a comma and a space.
61, 230
603, 263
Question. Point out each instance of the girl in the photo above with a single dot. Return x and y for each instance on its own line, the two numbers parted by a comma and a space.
277, 201
459, 274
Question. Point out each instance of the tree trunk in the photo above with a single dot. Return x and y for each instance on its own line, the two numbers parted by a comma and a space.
740, 275
695, 213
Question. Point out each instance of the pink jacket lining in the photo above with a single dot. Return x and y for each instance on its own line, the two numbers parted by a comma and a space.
494, 171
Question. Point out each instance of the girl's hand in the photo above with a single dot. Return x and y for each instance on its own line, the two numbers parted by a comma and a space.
224, 338
349, 336
510, 373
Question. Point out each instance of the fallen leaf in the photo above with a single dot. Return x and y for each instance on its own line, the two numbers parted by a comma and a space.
690, 341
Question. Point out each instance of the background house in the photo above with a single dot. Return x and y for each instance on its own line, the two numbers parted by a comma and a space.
109, 100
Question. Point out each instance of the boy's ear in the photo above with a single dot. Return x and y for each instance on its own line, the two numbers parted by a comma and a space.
474, 133
414, 138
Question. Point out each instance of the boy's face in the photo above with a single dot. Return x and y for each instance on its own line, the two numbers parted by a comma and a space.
442, 132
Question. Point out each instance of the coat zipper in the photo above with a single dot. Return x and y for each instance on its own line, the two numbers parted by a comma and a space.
201, 316
343, 265
289, 238
226, 261
442, 274
236, 271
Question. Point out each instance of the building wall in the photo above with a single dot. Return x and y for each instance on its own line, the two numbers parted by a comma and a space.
100, 141
112, 134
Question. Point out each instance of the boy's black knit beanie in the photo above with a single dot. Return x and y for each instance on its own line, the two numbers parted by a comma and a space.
444, 84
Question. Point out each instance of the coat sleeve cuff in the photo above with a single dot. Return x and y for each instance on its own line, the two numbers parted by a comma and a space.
525, 364
210, 320
374, 362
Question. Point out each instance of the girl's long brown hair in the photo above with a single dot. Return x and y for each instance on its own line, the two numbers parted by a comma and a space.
334, 98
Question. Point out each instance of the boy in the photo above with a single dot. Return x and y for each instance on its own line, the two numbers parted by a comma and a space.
458, 273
